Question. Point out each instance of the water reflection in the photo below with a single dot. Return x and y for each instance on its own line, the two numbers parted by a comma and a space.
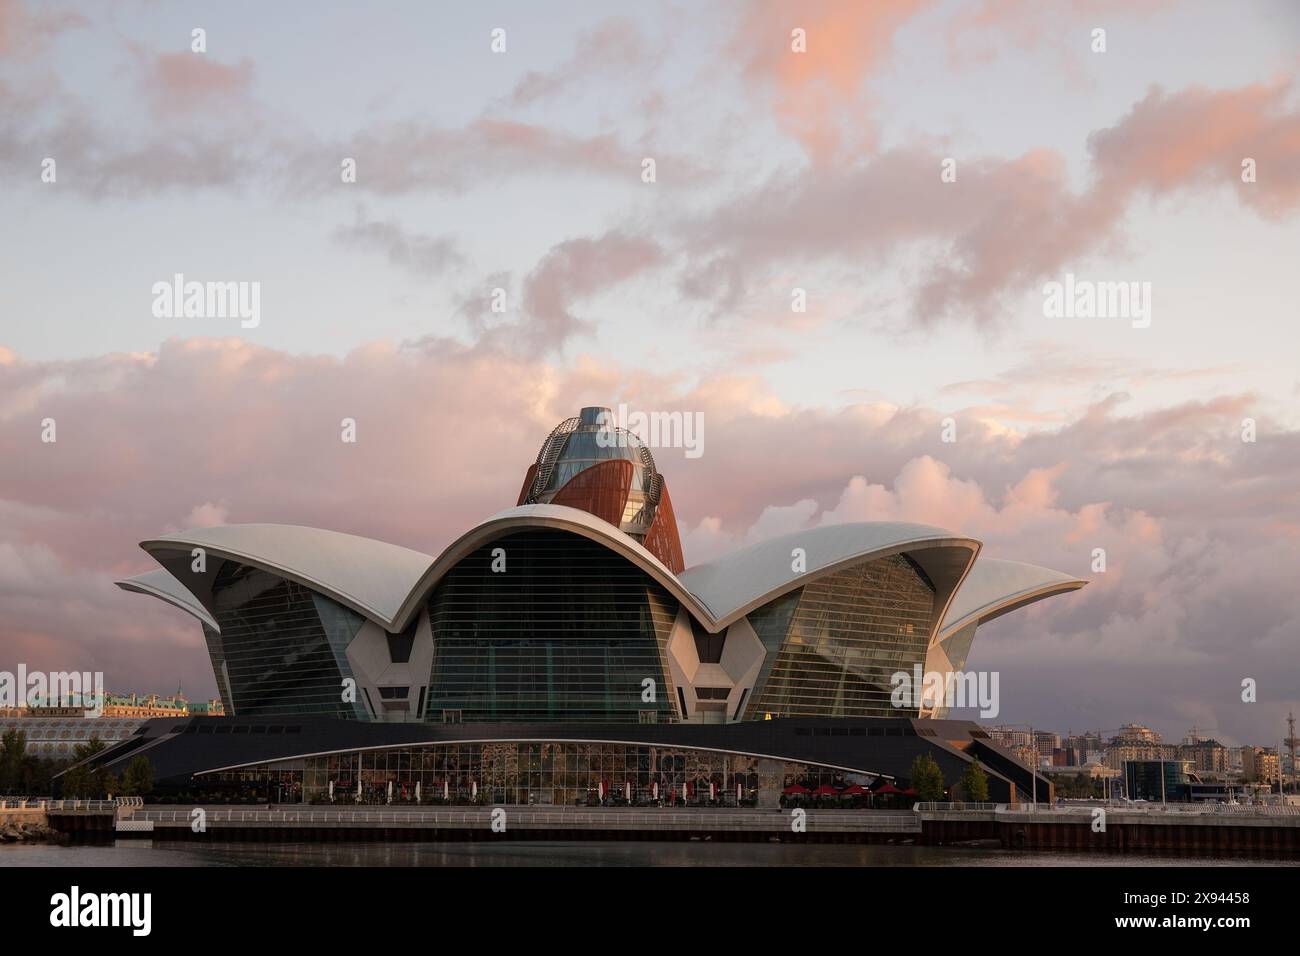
544, 854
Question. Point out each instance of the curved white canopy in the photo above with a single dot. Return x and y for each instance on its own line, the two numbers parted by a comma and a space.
387, 583
371, 577
737, 583
562, 518
163, 586
993, 588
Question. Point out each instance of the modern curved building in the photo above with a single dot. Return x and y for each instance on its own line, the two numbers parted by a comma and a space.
575, 608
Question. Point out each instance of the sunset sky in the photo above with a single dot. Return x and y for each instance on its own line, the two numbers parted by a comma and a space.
774, 170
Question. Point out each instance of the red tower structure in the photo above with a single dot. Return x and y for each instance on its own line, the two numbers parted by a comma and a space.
589, 463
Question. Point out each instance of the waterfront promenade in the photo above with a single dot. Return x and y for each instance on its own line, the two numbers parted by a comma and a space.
1266, 830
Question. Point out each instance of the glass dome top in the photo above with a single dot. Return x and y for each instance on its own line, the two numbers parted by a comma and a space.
591, 439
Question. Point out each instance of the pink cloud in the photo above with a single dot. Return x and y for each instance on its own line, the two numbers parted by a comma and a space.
815, 92
418, 253
977, 29
414, 155
1199, 137
578, 268
184, 81
611, 48
23, 31
1007, 223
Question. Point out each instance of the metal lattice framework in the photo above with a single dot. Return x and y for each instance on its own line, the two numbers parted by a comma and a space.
549, 455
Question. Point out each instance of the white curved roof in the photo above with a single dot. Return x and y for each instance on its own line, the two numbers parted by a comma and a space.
371, 577
743, 580
162, 585
993, 588
559, 517
387, 583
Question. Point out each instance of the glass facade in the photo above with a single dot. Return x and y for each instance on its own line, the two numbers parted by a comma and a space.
957, 646
1154, 780
771, 623
559, 773
579, 445
282, 648
569, 631
584, 449
847, 633
213, 640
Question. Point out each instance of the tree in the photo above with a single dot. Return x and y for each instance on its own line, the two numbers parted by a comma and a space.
81, 780
76, 782
107, 784
36, 775
138, 779
927, 778
975, 782
13, 747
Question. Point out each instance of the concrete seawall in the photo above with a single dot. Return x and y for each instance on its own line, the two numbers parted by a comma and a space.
542, 823
12, 817
1204, 830
1246, 833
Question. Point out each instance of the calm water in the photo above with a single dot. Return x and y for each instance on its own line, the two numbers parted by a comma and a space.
144, 853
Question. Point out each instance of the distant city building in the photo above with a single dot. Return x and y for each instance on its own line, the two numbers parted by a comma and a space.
73, 705
1157, 781
1215, 791
1010, 737
52, 730
42, 711
212, 707
1037, 748
1095, 771
1259, 764
56, 737
1075, 748
121, 705
1135, 743
1234, 760
152, 705
145, 706
1020, 743
1204, 754
1082, 746
1136, 734
1171, 781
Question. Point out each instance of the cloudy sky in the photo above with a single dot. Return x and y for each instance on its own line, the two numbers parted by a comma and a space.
774, 170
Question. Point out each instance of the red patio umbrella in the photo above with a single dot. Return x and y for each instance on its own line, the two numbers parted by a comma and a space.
888, 788
795, 788
853, 790
826, 790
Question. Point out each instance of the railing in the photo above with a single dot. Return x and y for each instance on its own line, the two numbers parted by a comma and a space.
1235, 809
50, 805
558, 818
549, 455
1158, 809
